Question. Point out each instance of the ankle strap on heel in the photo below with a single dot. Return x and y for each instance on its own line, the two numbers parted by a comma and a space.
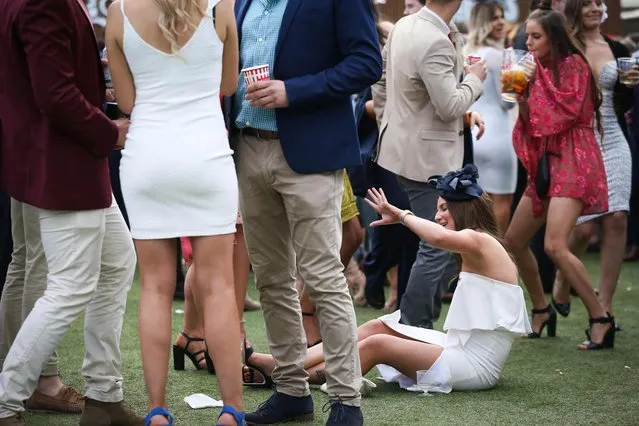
159, 411
547, 310
602, 320
237, 415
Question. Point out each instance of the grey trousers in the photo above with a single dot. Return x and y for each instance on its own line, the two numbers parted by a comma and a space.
433, 269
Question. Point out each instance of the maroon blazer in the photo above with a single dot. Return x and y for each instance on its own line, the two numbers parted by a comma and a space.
54, 138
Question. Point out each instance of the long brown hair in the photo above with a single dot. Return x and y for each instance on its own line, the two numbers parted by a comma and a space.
562, 45
575, 22
477, 214
177, 17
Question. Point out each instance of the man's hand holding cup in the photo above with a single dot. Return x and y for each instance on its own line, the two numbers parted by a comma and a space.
262, 91
477, 68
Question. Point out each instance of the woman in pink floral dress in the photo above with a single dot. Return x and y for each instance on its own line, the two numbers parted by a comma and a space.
557, 120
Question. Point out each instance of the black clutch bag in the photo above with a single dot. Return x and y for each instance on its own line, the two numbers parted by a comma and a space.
542, 180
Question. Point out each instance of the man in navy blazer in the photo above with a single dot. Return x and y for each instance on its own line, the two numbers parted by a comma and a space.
294, 134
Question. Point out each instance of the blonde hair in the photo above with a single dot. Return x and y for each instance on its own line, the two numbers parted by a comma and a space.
481, 27
177, 17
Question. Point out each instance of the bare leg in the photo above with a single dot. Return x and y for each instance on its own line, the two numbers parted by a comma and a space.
352, 237
612, 253
310, 321
522, 229
241, 271
356, 280
562, 216
314, 362
214, 294
391, 303
157, 278
501, 206
193, 323
579, 239
405, 355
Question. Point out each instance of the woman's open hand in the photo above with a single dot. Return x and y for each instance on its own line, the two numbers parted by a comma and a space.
389, 213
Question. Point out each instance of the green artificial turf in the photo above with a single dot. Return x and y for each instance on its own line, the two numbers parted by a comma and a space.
544, 381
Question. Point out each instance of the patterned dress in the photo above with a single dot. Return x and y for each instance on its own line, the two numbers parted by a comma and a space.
561, 121
614, 147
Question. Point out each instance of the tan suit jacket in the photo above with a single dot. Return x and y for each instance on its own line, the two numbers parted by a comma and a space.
420, 102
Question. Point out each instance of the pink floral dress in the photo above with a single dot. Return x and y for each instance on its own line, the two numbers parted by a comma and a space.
561, 118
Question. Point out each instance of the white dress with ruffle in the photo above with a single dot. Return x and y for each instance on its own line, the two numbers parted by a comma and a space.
483, 317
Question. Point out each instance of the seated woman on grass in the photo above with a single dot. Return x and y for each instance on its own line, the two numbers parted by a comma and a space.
487, 308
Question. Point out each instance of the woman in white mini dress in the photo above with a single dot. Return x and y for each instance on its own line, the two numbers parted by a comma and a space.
487, 310
170, 60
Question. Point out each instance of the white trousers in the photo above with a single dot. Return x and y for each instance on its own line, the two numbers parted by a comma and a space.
91, 262
26, 279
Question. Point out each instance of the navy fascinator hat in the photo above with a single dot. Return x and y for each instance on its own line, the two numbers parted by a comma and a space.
458, 185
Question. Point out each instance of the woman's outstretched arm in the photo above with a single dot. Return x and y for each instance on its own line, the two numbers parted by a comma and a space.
464, 241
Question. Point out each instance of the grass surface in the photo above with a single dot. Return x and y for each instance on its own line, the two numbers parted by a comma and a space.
544, 381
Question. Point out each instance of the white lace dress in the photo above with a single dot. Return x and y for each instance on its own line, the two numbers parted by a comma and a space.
483, 318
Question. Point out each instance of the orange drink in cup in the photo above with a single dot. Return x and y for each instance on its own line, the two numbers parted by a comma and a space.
513, 77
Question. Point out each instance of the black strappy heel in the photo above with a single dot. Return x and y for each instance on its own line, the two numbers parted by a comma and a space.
608, 341
562, 308
251, 369
196, 357
551, 322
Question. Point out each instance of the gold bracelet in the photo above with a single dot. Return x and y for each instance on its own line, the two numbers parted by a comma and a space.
402, 217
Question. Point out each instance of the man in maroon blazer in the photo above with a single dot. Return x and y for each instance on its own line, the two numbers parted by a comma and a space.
54, 144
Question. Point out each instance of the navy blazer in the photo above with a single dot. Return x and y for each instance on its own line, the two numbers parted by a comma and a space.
326, 51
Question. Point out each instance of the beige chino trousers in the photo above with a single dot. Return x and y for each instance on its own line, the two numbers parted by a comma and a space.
292, 221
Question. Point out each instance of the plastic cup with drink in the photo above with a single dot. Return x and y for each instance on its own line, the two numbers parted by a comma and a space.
470, 60
513, 77
626, 65
254, 74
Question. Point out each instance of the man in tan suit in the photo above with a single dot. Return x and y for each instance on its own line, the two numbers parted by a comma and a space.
421, 106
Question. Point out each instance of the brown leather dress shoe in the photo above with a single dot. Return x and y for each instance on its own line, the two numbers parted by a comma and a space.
16, 420
97, 413
67, 401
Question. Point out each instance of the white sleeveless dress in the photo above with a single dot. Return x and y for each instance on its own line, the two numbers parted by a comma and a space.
494, 154
482, 318
177, 171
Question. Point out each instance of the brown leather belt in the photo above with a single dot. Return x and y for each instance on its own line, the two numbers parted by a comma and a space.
260, 134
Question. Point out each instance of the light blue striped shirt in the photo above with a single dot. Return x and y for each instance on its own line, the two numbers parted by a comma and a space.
260, 31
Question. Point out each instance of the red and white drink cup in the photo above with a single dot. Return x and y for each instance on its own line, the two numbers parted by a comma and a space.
254, 74
470, 59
